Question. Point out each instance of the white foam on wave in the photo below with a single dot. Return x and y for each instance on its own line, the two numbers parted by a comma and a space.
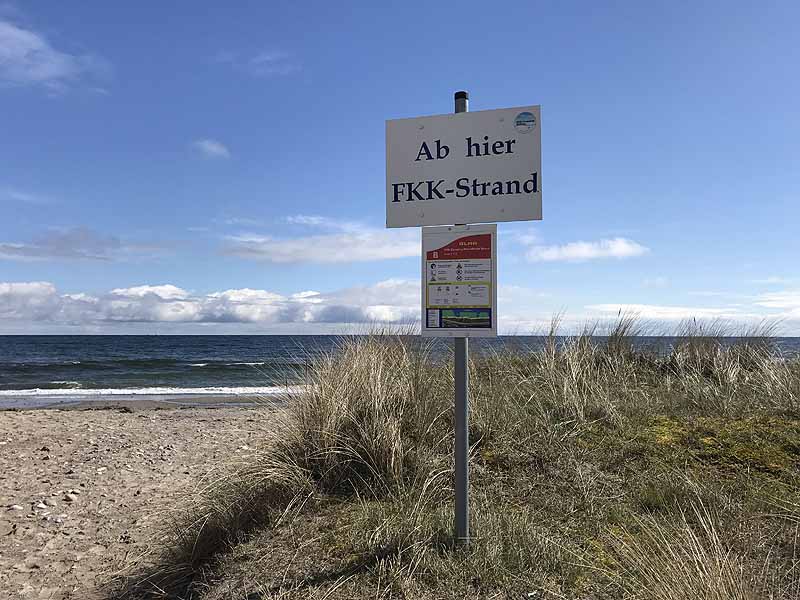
248, 364
158, 391
232, 364
72, 384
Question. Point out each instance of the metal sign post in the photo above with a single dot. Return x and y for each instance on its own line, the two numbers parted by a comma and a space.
475, 169
461, 355
461, 346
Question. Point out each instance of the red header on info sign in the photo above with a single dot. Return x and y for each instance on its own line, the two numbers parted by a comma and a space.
470, 246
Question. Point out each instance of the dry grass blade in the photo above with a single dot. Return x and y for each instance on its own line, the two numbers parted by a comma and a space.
681, 562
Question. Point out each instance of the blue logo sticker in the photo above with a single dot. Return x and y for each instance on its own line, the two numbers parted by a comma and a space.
525, 122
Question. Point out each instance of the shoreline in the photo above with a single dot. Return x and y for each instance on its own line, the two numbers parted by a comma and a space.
146, 403
77, 401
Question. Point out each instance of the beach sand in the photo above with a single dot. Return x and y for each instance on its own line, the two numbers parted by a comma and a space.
82, 490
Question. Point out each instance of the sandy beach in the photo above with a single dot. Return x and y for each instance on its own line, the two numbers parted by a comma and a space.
81, 490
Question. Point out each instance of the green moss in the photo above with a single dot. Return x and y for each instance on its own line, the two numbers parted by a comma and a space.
635, 448
666, 432
666, 464
764, 444
760, 443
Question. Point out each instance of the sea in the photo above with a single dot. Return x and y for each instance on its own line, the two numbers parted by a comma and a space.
55, 370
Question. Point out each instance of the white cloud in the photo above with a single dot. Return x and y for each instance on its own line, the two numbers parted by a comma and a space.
392, 292
28, 59
390, 301
39, 306
77, 243
656, 282
211, 148
517, 294
165, 292
527, 238
323, 222
242, 222
342, 242
523, 310
671, 313
710, 294
272, 63
307, 296
583, 251
335, 248
787, 300
772, 280
32, 301
260, 64
22, 196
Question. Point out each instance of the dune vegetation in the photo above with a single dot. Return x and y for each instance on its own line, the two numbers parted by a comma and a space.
597, 471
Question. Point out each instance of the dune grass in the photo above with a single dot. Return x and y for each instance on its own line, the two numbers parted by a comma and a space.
597, 471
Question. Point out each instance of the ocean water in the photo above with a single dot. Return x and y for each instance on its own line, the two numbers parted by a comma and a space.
42, 370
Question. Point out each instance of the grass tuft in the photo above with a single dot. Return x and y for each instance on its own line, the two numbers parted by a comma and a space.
687, 561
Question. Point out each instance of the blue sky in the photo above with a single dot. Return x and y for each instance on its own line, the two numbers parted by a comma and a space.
193, 167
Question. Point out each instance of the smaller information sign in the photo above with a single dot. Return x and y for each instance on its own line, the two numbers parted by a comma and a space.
459, 281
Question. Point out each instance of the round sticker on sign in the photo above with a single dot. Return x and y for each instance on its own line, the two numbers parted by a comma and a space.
525, 122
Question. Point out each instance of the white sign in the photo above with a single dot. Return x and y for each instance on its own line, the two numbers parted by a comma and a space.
471, 167
459, 281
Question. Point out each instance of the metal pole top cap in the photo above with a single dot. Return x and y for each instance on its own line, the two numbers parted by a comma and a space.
462, 95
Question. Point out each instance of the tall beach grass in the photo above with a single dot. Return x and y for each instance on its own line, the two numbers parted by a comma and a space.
598, 470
